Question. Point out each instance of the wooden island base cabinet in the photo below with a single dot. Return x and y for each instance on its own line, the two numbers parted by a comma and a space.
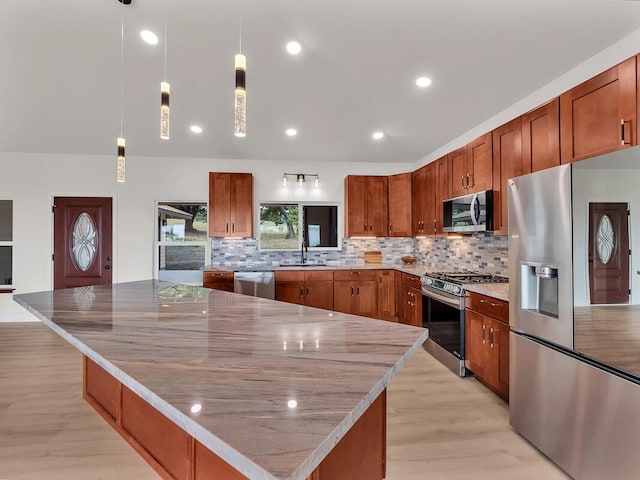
174, 454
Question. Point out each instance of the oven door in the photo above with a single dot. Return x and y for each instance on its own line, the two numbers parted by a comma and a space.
443, 315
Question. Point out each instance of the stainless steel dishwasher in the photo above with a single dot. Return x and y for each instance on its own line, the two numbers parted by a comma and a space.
257, 284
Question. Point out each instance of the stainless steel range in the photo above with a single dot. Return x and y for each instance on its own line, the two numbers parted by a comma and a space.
443, 304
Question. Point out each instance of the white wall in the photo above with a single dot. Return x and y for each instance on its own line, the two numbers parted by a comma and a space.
32, 180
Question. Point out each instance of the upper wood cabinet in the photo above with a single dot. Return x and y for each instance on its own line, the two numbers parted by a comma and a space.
442, 189
366, 206
400, 205
423, 201
507, 163
230, 204
599, 115
472, 167
541, 137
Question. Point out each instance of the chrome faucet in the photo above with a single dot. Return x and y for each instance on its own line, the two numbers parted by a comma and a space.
303, 249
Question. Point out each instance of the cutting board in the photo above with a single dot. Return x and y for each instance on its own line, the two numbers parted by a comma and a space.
373, 256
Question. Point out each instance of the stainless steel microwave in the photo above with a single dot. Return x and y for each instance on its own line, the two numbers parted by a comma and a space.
469, 213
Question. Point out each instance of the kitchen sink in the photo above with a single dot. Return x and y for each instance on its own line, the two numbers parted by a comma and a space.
303, 264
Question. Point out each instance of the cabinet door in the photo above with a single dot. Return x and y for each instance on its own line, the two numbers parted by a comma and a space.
417, 311
443, 190
218, 280
241, 205
458, 167
343, 296
599, 115
507, 163
355, 192
541, 137
400, 205
291, 292
219, 204
430, 197
319, 289
499, 351
387, 295
366, 298
418, 200
377, 212
480, 164
476, 337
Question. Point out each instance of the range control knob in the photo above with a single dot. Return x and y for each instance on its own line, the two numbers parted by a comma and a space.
456, 289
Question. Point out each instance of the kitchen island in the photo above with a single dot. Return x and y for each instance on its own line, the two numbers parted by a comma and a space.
204, 382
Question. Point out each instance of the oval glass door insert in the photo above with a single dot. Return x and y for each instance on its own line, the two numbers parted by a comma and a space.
83, 242
605, 239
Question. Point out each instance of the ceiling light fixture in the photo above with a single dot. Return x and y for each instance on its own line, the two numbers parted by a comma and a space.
301, 178
121, 159
241, 89
149, 37
292, 132
423, 82
294, 48
195, 128
378, 135
164, 89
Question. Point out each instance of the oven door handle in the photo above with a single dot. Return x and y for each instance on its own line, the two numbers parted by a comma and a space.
442, 298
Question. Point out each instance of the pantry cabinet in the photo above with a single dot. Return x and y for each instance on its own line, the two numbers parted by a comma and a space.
472, 167
507, 163
310, 288
400, 193
541, 137
487, 341
366, 206
356, 292
230, 204
599, 115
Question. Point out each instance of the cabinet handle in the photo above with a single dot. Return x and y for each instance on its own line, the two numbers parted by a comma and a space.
491, 337
371, 227
300, 291
623, 141
365, 227
484, 337
233, 228
470, 180
352, 291
357, 290
227, 227
307, 290
462, 182
487, 301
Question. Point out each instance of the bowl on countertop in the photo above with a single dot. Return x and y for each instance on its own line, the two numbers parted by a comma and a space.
408, 260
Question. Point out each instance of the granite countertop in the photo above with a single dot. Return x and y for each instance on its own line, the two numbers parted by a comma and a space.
412, 269
242, 358
495, 290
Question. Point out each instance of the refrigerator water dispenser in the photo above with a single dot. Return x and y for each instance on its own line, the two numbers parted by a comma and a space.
539, 283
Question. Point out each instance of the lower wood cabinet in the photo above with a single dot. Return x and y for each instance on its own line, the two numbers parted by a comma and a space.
387, 293
487, 341
218, 280
411, 300
304, 287
356, 292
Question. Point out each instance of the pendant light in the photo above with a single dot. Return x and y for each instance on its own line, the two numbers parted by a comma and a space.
121, 158
240, 129
164, 90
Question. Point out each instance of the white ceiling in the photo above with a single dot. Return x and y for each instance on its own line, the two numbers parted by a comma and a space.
60, 74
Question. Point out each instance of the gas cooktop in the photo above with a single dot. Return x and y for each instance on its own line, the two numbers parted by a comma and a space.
451, 282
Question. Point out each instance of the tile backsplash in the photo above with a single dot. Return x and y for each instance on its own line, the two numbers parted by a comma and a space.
480, 252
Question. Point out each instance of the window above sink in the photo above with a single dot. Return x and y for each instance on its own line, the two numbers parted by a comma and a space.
284, 226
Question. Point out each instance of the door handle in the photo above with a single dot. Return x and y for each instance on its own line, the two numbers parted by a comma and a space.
107, 267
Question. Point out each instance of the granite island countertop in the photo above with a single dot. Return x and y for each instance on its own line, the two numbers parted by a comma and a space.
242, 358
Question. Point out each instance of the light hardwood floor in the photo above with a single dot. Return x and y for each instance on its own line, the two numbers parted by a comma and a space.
439, 426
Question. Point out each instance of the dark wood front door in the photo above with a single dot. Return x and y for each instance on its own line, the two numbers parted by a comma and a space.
608, 253
82, 241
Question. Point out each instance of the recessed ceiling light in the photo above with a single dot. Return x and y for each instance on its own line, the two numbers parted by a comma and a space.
378, 135
294, 48
149, 37
195, 128
292, 132
423, 82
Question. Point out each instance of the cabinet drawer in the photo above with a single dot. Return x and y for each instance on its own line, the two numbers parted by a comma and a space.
319, 275
492, 307
411, 280
358, 275
217, 276
289, 275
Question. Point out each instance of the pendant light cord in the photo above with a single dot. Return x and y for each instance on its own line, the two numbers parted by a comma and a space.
165, 41
240, 27
122, 76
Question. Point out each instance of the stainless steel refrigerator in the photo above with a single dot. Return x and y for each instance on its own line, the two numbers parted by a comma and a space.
575, 363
